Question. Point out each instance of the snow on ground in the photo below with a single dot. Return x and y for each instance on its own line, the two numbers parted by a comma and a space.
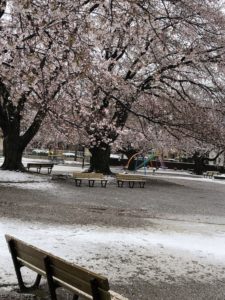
121, 254
42, 186
10, 176
178, 177
25, 180
168, 251
157, 254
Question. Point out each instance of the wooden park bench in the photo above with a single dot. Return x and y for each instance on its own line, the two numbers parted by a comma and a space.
40, 166
130, 179
57, 156
90, 177
58, 272
210, 174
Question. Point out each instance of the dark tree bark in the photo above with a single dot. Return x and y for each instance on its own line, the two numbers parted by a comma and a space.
100, 159
201, 160
13, 151
199, 164
129, 152
14, 143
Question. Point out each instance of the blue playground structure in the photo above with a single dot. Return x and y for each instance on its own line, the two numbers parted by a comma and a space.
144, 163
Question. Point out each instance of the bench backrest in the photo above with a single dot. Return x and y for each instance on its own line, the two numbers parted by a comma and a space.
216, 173
35, 165
96, 175
67, 275
211, 173
88, 175
129, 177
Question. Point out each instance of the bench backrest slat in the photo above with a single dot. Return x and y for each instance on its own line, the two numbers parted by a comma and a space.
96, 175
35, 165
64, 272
129, 177
81, 175
88, 175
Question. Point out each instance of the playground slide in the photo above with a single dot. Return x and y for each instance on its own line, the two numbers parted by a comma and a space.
145, 162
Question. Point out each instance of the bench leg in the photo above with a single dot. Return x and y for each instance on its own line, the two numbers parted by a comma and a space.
51, 284
39, 170
142, 184
49, 170
17, 267
91, 182
103, 183
131, 184
78, 182
120, 183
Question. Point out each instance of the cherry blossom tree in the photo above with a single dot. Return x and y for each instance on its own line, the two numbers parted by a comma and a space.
160, 60
91, 64
42, 50
205, 136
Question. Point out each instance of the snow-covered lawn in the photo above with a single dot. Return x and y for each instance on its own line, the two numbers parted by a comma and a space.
9, 176
25, 180
156, 254
168, 250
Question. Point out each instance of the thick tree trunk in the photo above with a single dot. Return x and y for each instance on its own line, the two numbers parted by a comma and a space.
13, 151
99, 161
199, 164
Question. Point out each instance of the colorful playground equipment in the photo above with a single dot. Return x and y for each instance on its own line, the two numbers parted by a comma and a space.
145, 161
130, 160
